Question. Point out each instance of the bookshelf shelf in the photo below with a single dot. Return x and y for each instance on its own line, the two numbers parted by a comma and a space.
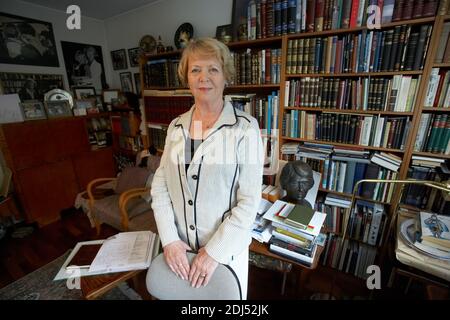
255, 43
387, 113
441, 65
164, 88
432, 155
358, 29
435, 110
253, 86
342, 144
348, 195
161, 55
355, 74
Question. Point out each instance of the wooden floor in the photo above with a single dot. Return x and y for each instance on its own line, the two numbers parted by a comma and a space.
19, 257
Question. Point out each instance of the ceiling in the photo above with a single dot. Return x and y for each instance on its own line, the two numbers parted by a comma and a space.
98, 9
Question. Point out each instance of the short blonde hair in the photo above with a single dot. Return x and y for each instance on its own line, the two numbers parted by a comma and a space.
207, 47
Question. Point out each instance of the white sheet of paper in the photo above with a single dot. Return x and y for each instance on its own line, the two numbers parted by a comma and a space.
10, 108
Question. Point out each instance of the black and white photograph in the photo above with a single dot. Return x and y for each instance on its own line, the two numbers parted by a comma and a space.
84, 64
30, 86
58, 109
119, 59
84, 92
27, 41
137, 83
126, 82
134, 55
33, 110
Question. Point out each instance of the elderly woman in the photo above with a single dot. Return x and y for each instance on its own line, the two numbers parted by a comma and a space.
207, 189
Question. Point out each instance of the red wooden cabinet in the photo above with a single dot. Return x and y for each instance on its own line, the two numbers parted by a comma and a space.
52, 161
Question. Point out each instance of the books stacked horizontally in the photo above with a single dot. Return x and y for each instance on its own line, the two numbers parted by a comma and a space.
296, 232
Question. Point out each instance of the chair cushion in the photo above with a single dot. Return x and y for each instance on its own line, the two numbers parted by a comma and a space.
131, 177
163, 284
107, 211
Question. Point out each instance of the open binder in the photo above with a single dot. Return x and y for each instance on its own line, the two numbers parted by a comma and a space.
125, 251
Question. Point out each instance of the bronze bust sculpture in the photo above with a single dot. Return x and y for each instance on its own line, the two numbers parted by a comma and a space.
297, 178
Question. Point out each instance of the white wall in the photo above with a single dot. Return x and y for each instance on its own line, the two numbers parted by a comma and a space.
163, 18
92, 32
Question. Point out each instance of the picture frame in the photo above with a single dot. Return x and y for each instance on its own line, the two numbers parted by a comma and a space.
85, 106
134, 54
110, 94
84, 64
137, 83
58, 109
224, 33
81, 93
126, 82
119, 59
33, 110
27, 41
30, 86
239, 20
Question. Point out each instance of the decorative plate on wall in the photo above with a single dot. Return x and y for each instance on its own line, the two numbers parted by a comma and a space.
57, 95
148, 44
184, 33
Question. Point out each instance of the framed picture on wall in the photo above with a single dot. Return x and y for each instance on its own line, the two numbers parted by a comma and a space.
134, 54
119, 59
84, 64
126, 82
27, 41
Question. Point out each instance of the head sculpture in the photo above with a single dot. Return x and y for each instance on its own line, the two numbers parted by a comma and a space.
297, 178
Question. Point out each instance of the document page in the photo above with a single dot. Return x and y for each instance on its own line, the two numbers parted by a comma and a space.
124, 251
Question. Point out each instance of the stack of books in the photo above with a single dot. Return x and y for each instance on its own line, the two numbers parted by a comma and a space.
296, 231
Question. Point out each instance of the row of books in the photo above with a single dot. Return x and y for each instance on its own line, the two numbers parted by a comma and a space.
438, 89
384, 94
126, 124
433, 134
264, 108
377, 131
163, 109
157, 136
335, 209
402, 48
355, 257
367, 222
130, 143
267, 18
257, 67
443, 50
161, 73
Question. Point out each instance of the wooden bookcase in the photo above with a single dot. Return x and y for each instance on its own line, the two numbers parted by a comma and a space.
282, 42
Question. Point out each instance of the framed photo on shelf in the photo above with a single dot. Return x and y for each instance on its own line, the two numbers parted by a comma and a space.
58, 109
33, 110
27, 41
85, 106
134, 54
137, 83
83, 92
108, 95
126, 82
119, 59
224, 33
